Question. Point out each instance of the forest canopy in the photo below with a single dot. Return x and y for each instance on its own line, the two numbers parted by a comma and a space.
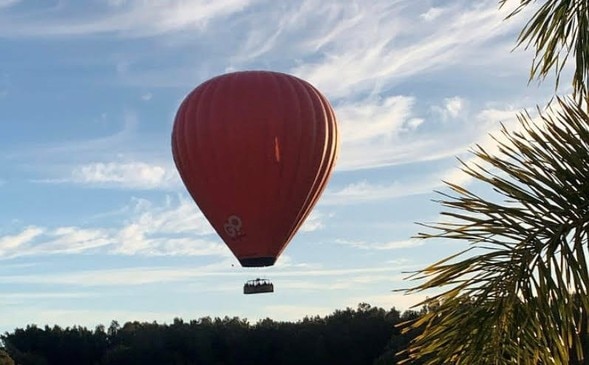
365, 335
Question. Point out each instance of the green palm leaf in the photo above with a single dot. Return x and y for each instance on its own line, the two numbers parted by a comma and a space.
557, 30
519, 294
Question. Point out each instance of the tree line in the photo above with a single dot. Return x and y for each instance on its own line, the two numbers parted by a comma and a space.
364, 335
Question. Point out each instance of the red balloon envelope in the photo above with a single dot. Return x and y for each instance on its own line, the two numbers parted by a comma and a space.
255, 150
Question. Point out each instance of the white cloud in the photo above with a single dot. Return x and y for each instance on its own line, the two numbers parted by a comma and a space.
398, 300
133, 175
364, 191
64, 317
114, 145
386, 44
388, 132
171, 229
8, 3
451, 141
370, 119
454, 106
152, 275
18, 298
451, 109
313, 222
377, 135
175, 228
44, 241
135, 18
114, 277
432, 14
19, 241
288, 312
320, 272
71, 240
393, 245
174, 216
355, 54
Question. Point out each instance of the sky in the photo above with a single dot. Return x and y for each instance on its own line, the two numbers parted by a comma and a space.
95, 224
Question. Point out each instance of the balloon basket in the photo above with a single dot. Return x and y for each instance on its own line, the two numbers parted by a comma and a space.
258, 286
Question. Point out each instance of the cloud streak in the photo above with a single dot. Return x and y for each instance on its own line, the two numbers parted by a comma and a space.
379, 246
130, 175
380, 48
157, 275
130, 18
175, 228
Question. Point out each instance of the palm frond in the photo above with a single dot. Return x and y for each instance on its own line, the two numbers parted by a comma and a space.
519, 295
557, 30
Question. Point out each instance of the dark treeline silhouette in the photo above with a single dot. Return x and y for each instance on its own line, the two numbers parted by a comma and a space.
366, 335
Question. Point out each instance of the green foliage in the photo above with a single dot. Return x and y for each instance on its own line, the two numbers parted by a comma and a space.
558, 29
351, 336
519, 294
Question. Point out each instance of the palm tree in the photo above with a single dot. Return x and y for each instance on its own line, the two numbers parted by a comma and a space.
518, 294
557, 30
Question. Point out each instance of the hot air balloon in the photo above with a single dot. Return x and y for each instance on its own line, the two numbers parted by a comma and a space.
255, 150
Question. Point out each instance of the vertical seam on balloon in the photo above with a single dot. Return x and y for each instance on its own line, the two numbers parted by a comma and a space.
277, 131
327, 158
218, 108
207, 114
192, 133
299, 93
305, 208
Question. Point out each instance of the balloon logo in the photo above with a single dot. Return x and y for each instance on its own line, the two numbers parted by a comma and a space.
255, 150
233, 227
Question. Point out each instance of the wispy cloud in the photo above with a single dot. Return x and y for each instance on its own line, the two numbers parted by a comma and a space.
350, 271
114, 277
64, 317
453, 140
120, 175
12, 243
354, 52
364, 191
132, 18
432, 13
452, 108
398, 300
8, 3
288, 312
314, 222
391, 132
175, 228
132, 175
393, 245
168, 274
17, 298
381, 48
115, 143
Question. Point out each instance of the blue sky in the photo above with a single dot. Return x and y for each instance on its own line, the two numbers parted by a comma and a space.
95, 224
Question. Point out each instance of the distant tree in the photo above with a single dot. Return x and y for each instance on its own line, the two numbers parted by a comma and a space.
346, 337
